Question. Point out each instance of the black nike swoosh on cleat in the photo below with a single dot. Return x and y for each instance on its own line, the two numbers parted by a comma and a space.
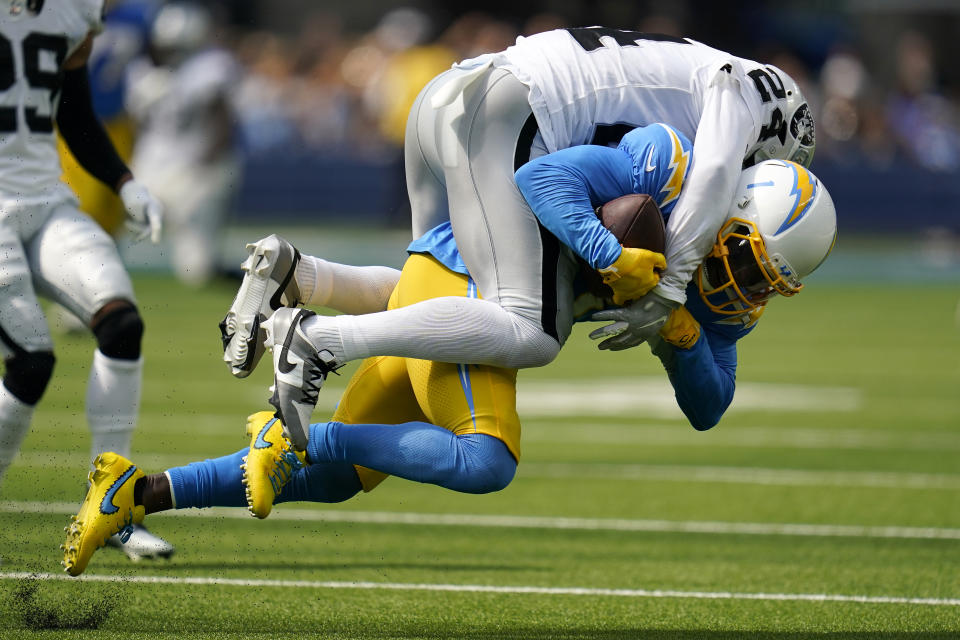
283, 364
275, 302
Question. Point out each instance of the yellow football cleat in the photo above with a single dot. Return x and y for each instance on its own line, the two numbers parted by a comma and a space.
269, 464
107, 509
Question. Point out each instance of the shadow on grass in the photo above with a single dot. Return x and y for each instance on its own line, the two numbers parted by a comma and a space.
29, 604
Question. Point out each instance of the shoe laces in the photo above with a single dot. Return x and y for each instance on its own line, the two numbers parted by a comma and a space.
284, 465
126, 529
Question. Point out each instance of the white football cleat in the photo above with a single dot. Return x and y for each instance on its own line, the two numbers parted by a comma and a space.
268, 285
299, 372
142, 544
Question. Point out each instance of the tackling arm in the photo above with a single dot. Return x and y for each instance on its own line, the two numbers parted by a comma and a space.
725, 129
561, 187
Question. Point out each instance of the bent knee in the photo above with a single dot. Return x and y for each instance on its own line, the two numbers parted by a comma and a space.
497, 478
28, 374
534, 351
119, 332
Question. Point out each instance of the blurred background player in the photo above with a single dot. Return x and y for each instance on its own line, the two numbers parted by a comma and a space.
186, 149
124, 38
49, 248
770, 241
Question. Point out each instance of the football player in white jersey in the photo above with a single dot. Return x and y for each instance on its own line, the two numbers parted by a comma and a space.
471, 128
47, 246
185, 150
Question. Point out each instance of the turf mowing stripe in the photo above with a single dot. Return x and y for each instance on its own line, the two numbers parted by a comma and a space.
476, 588
534, 522
743, 475
536, 429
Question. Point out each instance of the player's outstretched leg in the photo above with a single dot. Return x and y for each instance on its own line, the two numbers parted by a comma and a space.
299, 372
268, 285
270, 463
108, 509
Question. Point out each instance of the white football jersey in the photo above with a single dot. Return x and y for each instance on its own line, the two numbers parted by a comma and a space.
175, 108
593, 84
585, 81
33, 48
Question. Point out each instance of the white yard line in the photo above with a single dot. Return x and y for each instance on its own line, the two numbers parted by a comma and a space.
287, 513
477, 588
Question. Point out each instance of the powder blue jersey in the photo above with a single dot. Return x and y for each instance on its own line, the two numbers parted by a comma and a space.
564, 188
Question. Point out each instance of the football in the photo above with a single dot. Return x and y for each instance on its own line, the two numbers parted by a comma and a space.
635, 220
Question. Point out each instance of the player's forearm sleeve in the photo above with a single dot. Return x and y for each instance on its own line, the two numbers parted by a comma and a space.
721, 141
559, 188
703, 379
83, 133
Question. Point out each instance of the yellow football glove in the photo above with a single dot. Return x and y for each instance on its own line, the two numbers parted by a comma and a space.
680, 329
633, 274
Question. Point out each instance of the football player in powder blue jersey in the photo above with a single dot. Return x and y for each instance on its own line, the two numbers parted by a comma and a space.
456, 425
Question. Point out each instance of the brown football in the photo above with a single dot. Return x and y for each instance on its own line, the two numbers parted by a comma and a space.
636, 221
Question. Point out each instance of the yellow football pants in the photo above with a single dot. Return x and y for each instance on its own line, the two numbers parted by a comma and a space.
461, 398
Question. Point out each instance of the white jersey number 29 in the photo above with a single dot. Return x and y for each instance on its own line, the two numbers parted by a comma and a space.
43, 56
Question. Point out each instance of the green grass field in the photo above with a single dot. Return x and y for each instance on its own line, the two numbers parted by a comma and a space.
825, 505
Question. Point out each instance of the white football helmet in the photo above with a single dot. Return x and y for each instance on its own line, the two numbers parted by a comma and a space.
180, 29
782, 225
790, 133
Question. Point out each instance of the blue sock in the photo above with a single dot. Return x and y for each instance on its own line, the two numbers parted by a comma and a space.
471, 463
219, 483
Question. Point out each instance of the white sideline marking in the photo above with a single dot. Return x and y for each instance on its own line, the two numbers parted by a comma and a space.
478, 588
286, 513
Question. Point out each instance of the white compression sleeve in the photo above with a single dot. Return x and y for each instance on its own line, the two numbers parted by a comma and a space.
450, 329
345, 288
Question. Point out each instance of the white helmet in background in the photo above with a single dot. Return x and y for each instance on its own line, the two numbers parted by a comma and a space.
780, 228
180, 29
790, 135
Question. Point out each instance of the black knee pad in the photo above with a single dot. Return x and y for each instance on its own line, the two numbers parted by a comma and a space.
119, 333
28, 374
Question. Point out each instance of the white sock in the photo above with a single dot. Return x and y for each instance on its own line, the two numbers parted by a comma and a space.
15, 418
449, 329
113, 403
345, 288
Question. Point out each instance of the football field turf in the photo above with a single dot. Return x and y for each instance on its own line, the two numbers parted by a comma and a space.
825, 504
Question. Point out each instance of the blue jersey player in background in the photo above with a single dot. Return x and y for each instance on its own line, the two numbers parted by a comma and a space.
456, 425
